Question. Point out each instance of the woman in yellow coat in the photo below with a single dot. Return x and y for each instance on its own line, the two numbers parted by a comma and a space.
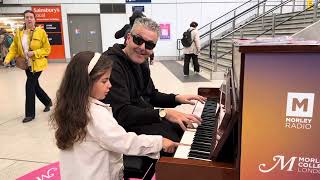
34, 51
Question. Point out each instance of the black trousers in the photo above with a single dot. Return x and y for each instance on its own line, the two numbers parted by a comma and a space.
195, 62
33, 88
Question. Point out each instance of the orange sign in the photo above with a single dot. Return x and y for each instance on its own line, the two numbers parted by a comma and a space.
47, 13
49, 18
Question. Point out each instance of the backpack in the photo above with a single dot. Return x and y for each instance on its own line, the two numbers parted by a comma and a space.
7, 41
187, 39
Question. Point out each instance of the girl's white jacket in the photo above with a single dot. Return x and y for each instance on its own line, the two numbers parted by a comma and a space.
99, 156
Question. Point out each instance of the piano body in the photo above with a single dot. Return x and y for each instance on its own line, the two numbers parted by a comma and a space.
263, 75
210, 151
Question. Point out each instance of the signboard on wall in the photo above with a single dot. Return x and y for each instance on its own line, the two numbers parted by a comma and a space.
138, 1
138, 8
164, 30
49, 18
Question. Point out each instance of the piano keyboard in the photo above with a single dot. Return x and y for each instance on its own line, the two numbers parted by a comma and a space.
196, 143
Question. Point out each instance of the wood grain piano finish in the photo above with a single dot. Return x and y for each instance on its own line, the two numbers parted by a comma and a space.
188, 169
209, 92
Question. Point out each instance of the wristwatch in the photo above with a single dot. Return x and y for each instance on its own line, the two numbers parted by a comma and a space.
162, 113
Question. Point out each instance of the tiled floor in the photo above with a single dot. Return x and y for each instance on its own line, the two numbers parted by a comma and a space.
29, 146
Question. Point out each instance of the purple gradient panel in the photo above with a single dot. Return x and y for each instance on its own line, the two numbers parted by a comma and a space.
268, 77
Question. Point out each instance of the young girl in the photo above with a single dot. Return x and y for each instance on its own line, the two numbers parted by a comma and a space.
90, 139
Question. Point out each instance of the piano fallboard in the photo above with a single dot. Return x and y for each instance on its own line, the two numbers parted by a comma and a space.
190, 169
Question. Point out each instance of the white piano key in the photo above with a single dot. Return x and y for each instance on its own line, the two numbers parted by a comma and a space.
198, 109
195, 125
187, 137
218, 106
221, 114
182, 152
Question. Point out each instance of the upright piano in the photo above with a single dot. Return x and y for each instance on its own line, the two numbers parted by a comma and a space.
208, 151
267, 87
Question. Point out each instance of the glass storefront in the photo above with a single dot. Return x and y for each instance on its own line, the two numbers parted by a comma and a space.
11, 22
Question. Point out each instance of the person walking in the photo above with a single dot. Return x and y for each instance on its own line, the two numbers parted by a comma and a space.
5, 43
193, 51
32, 44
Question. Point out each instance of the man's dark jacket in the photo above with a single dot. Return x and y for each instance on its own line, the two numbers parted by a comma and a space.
133, 95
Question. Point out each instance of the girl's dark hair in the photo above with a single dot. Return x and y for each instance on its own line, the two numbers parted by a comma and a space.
134, 16
24, 16
194, 24
71, 113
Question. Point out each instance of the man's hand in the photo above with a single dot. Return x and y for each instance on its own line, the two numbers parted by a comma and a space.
186, 99
184, 120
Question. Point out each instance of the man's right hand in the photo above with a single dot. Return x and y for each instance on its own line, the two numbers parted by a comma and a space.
169, 146
181, 118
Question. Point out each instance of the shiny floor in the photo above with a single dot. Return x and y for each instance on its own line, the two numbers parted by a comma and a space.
25, 147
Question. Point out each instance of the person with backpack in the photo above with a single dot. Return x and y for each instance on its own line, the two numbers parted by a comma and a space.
191, 44
5, 42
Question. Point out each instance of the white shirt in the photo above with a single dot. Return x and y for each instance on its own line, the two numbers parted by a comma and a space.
99, 156
25, 45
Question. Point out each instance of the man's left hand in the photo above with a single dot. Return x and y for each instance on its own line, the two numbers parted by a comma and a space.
187, 99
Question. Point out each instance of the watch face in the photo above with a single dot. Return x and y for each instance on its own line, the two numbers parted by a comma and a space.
162, 113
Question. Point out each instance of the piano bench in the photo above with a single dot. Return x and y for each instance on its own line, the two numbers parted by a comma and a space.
138, 167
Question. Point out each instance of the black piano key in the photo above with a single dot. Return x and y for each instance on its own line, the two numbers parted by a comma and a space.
201, 144
203, 133
199, 155
203, 136
196, 150
202, 141
206, 147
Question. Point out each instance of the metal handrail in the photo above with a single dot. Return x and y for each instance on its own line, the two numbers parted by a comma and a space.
224, 23
297, 14
254, 19
179, 47
232, 19
215, 41
224, 14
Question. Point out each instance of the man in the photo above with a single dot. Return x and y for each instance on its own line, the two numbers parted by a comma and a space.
193, 51
133, 95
